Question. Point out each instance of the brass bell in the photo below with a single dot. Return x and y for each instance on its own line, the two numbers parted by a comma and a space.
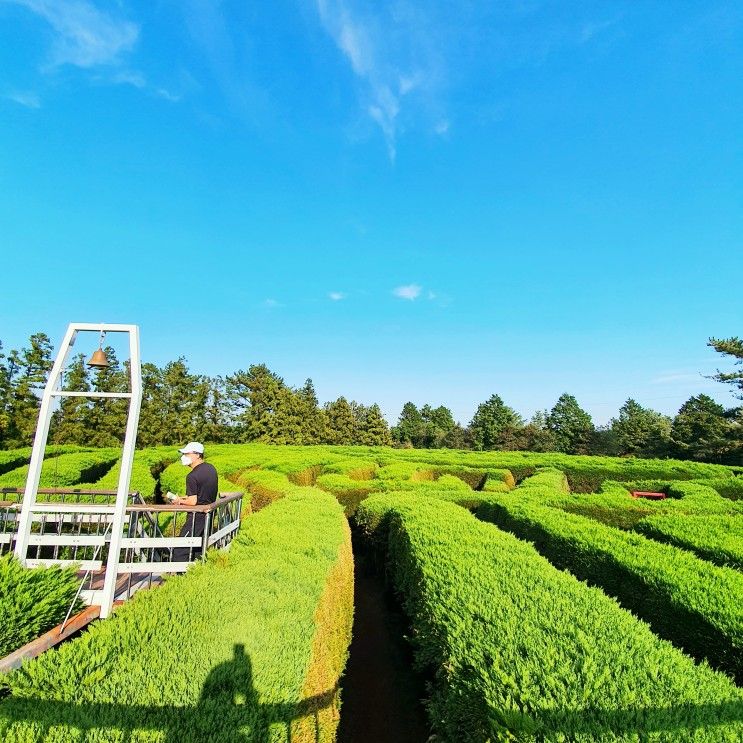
98, 360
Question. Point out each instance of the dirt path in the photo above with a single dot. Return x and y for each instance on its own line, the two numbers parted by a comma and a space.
381, 695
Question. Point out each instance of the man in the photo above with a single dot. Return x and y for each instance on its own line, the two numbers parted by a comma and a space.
201, 490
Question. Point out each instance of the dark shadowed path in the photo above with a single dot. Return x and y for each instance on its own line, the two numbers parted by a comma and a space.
381, 694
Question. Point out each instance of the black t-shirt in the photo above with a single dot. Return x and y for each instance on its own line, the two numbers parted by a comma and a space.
202, 481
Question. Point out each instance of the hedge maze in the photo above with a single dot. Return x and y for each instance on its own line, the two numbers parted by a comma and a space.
543, 601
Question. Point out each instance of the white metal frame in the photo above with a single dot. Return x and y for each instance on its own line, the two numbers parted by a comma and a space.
53, 390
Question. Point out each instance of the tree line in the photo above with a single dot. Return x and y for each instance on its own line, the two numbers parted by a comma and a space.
177, 405
702, 429
257, 405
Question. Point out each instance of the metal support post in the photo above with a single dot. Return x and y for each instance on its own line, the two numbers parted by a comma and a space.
37, 453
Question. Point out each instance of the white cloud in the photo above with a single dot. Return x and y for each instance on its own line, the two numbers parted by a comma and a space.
442, 127
594, 28
167, 95
27, 99
410, 291
682, 379
138, 80
127, 77
431, 295
337, 296
84, 35
386, 55
271, 303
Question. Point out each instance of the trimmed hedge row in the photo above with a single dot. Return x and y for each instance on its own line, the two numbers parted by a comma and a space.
718, 539
356, 469
349, 491
614, 506
518, 650
686, 600
728, 487
248, 646
12, 458
32, 601
66, 470
142, 479
586, 473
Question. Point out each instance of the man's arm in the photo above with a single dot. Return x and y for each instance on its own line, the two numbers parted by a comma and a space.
189, 500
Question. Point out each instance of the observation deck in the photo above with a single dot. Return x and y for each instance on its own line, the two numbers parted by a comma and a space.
73, 526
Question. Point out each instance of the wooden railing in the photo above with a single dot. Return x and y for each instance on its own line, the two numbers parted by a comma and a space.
72, 526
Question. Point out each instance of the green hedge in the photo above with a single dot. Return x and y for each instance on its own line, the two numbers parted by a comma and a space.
728, 487
10, 459
349, 491
32, 601
518, 650
356, 469
248, 646
66, 470
614, 505
718, 539
142, 479
694, 604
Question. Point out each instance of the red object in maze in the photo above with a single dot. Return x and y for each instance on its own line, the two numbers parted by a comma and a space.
648, 495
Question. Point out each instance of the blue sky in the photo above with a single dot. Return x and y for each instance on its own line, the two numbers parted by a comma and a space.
426, 201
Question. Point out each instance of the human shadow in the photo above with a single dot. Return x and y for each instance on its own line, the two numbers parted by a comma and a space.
229, 709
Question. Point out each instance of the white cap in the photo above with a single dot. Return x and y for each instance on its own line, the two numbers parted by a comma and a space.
192, 446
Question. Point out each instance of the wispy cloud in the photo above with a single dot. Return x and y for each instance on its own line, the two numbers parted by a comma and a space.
138, 80
336, 296
682, 379
386, 55
591, 29
84, 36
409, 291
271, 303
27, 99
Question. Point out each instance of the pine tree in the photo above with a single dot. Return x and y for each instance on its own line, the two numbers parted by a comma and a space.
342, 423
536, 436
71, 424
26, 372
5, 397
374, 430
314, 421
409, 428
255, 398
458, 438
437, 422
730, 347
495, 425
107, 416
571, 426
151, 431
701, 430
640, 431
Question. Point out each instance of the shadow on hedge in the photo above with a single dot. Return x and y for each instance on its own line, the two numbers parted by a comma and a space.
228, 710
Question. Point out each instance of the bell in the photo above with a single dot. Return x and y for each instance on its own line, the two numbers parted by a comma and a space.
98, 359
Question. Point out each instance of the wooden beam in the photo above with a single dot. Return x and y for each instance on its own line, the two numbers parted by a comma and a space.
49, 639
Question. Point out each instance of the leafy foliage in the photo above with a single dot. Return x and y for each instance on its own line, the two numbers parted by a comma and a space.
66, 469
571, 426
495, 425
252, 643
718, 539
701, 430
685, 599
640, 431
730, 347
519, 650
32, 601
